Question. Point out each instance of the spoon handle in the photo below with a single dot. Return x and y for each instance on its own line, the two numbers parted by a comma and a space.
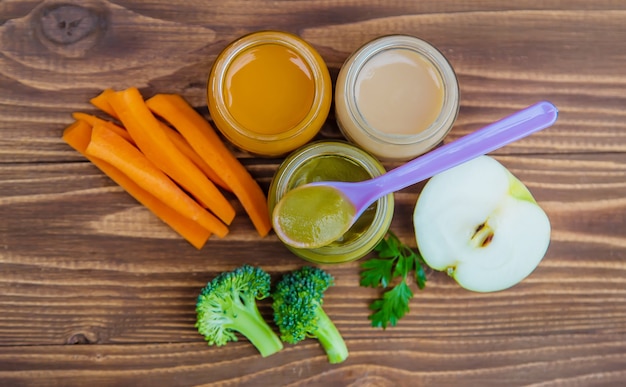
509, 129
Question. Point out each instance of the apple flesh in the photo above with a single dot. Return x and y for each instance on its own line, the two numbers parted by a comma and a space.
481, 225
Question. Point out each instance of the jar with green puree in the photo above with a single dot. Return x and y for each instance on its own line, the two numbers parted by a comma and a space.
336, 161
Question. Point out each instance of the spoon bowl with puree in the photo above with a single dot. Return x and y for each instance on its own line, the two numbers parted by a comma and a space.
316, 214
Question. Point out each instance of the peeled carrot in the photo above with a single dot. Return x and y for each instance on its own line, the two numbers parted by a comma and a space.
101, 102
205, 141
78, 136
152, 140
182, 144
93, 120
110, 147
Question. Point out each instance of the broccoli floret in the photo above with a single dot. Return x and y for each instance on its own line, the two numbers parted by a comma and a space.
298, 312
228, 304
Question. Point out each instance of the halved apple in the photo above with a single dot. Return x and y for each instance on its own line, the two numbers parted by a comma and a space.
482, 225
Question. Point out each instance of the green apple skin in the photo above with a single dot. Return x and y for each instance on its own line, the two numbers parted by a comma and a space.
481, 225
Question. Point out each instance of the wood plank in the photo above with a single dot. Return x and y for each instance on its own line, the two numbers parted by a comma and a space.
492, 360
499, 69
105, 269
96, 290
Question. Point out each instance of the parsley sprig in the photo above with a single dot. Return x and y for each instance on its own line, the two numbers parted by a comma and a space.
391, 271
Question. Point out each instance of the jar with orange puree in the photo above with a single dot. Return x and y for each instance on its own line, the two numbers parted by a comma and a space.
269, 92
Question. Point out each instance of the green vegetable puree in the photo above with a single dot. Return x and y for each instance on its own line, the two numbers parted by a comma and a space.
336, 168
313, 216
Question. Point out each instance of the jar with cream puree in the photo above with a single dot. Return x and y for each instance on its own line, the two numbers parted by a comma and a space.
269, 92
397, 97
337, 161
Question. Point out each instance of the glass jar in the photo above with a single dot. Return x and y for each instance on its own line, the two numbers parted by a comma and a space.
339, 161
397, 97
269, 92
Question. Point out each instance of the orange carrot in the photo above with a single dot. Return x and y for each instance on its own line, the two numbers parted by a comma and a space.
205, 141
93, 120
182, 144
101, 102
110, 147
78, 136
152, 140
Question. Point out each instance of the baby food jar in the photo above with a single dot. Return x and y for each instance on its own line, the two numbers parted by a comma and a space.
269, 92
397, 97
338, 161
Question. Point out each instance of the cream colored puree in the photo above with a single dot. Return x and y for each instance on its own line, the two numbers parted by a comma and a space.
399, 92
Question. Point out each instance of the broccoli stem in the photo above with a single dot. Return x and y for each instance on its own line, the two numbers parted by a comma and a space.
330, 338
251, 324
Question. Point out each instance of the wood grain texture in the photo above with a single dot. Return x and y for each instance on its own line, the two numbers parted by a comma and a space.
95, 290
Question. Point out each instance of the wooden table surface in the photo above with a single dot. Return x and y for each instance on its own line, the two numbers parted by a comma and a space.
94, 290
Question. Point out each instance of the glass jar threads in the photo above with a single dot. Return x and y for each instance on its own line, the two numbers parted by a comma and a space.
338, 161
269, 92
397, 97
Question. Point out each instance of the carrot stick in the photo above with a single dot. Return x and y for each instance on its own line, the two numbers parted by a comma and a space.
205, 141
110, 147
182, 144
151, 139
101, 102
78, 136
93, 120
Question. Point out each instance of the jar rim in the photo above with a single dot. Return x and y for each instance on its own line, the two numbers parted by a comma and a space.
449, 110
321, 80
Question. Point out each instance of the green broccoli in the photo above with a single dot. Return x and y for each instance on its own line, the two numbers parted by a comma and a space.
298, 312
228, 304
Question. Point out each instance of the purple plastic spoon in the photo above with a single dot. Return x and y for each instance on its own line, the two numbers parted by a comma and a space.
360, 195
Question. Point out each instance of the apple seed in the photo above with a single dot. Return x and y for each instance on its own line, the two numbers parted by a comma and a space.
482, 235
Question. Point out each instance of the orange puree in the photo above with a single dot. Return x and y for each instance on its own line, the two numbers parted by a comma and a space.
269, 89
269, 92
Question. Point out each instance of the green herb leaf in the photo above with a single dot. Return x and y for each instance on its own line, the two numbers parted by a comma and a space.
377, 272
393, 306
386, 248
420, 275
404, 264
394, 264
